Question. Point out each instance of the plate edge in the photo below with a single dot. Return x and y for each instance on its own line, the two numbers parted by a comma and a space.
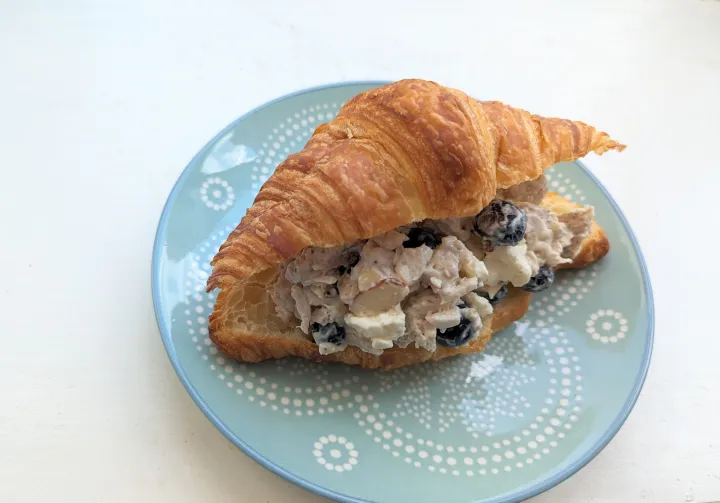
517, 497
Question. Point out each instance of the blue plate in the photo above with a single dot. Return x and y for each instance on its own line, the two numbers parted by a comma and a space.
544, 398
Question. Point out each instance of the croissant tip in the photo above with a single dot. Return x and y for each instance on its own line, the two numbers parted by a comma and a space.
610, 145
601, 143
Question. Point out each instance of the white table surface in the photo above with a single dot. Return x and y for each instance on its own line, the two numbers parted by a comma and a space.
103, 103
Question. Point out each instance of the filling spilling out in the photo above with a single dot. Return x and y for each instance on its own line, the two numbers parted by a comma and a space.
431, 282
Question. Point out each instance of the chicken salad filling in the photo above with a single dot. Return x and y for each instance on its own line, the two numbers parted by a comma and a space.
432, 282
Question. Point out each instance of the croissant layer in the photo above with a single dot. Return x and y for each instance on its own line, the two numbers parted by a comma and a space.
404, 152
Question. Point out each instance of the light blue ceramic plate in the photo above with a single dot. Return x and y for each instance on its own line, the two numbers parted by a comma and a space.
547, 394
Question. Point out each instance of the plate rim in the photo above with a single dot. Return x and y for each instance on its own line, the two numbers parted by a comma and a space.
511, 497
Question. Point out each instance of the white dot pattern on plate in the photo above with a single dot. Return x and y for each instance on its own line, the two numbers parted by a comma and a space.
607, 326
335, 453
483, 396
289, 136
564, 186
217, 194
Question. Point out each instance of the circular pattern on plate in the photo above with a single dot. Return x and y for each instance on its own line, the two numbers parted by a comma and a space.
606, 326
335, 453
216, 193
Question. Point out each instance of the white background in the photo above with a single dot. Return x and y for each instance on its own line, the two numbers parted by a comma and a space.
102, 104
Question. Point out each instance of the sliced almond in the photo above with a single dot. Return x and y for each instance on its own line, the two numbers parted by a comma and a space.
444, 319
368, 277
325, 280
380, 297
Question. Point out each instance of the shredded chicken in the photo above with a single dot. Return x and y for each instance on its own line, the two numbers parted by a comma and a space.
385, 292
579, 223
453, 270
546, 237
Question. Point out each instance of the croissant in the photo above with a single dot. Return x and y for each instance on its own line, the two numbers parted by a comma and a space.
406, 152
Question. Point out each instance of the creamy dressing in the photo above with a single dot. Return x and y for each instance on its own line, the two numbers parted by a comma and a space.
388, 291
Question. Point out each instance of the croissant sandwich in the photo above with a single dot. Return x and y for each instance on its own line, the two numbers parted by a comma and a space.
410, 228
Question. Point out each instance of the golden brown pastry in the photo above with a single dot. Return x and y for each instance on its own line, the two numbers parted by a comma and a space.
406, 152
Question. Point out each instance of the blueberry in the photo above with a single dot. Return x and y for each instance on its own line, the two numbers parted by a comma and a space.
332, 333
456, 336
541, 281
499, 295
501, 222
419, 236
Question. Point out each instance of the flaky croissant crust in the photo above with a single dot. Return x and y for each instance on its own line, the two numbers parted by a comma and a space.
401, 153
